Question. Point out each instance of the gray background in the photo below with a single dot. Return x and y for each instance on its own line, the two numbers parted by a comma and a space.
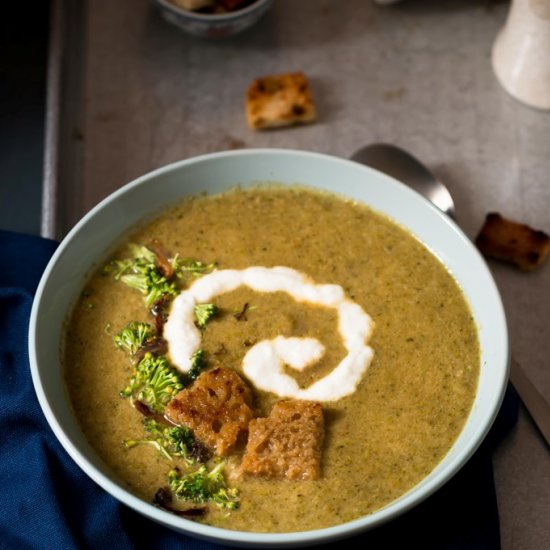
139, 94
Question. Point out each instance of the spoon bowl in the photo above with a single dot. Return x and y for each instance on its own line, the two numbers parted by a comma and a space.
401, 165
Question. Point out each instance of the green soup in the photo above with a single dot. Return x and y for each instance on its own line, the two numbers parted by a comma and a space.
380, 441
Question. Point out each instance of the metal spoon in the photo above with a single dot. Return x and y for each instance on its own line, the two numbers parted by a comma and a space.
396, 162
401, 165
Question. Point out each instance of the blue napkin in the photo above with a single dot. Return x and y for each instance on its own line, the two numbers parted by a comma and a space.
48, 502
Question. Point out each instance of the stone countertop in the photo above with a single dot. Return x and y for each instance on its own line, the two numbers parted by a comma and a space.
417, 73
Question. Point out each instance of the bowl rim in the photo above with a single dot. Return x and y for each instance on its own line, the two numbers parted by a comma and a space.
393, 510
213, 17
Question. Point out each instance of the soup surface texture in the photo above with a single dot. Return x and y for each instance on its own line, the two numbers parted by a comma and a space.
380, 440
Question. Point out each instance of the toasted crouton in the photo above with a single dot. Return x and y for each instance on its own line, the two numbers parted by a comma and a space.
513, 242
279, 100
287, 444
217, 407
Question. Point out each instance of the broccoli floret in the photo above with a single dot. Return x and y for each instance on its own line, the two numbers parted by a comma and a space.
180, 441
198, 364
171, 441
138, 253
142, 273
154, 382
134, 337
190, 268
154, 275
153, 442
203, 314
150, 282
203, 486
176, 440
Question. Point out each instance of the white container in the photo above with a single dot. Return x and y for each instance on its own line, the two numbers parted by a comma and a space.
521, 53
115, 215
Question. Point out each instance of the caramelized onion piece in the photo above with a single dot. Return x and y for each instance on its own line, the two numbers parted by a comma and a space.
159, 313
241, 315
163, 499
163, 261
142, 408
158, 346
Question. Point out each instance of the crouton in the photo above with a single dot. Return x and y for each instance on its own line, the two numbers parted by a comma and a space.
279, 100
512, 242
287, 444
217, 407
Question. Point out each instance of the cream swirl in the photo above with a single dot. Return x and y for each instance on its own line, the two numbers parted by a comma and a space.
264, 362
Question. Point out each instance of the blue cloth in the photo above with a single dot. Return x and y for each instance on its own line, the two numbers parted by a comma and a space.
48, 502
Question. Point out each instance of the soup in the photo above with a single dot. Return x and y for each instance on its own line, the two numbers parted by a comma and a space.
380, 437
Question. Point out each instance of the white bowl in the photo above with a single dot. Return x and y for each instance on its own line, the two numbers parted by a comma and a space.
213, 25
86, 243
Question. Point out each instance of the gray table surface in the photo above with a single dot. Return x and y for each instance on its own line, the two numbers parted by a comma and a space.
23, 60
143, 94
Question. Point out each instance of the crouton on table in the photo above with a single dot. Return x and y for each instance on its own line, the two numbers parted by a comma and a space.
279, 100
512, 242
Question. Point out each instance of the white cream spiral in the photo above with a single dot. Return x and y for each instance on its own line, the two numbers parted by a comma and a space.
264, 362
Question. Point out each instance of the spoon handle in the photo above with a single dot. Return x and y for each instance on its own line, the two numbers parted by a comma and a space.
536, 405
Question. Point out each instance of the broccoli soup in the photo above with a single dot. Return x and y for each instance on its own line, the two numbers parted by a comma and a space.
271, 360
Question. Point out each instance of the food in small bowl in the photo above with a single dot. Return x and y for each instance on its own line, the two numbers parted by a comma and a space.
213, 18
263, 322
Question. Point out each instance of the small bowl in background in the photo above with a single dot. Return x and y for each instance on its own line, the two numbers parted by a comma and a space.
215, 25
